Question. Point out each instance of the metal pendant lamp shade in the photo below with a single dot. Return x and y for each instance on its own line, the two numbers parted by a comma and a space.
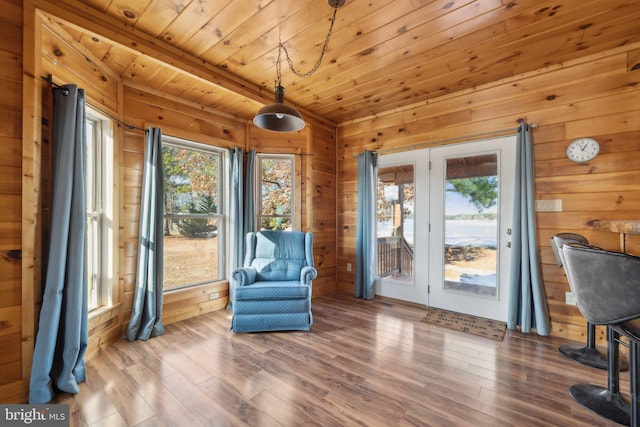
278, 116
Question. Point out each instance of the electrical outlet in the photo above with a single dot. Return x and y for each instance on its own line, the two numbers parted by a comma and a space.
349, 266
570, 298
214, 295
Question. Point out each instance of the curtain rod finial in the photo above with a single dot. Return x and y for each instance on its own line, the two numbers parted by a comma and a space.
532, 125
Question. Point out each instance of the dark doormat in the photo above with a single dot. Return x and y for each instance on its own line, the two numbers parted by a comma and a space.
465, 323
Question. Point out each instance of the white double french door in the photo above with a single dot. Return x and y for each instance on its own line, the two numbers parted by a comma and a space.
444, 222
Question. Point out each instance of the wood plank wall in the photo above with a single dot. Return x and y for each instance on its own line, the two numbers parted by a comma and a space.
322, 208
598, 97
67, 62
11, 200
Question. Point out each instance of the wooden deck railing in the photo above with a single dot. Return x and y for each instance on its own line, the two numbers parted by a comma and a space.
395, 257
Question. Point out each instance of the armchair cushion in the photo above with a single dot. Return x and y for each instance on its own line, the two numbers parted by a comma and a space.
277, 269
272, 290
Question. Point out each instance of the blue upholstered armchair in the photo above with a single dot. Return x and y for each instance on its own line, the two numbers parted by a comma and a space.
272, 292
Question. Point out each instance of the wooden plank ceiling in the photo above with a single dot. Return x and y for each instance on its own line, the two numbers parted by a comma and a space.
383, 53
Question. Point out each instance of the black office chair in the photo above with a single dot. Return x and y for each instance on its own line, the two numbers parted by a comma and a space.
607, 289
588, 355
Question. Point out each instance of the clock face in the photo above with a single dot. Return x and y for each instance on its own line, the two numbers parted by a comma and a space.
583, 149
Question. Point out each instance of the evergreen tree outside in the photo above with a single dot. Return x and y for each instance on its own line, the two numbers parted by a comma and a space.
199, 227
481, 191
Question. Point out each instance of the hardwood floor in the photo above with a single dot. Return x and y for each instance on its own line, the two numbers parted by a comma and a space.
367, 363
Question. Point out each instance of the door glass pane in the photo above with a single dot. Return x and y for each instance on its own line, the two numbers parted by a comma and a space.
395, 222
471, 224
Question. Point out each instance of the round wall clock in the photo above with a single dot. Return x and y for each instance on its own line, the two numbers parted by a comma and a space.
583, 149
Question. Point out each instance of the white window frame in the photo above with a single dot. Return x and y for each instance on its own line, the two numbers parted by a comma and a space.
221, 215
100, 216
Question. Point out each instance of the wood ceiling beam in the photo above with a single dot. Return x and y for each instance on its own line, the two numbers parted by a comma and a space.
87, 19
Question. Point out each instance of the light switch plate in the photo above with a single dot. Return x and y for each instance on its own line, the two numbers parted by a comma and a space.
549, 205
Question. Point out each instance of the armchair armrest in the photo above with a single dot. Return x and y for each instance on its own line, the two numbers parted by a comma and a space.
244, 276
307, 274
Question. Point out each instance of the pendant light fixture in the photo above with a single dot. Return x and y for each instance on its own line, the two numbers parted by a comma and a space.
278, 116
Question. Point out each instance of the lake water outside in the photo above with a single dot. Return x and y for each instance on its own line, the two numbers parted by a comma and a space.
459, 232
470, 249
470, 255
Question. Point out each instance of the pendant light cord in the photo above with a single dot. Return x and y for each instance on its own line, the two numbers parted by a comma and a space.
282, 47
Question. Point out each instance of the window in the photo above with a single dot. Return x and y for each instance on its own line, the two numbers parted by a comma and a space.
193, 220
99, 199
276, 192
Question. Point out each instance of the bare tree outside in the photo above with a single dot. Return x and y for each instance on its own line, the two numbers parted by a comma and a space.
276, 193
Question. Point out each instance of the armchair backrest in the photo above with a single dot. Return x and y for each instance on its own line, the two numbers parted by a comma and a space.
278, 255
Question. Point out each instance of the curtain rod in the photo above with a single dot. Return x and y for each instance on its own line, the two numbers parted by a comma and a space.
443, 140
115, 119
280, 154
